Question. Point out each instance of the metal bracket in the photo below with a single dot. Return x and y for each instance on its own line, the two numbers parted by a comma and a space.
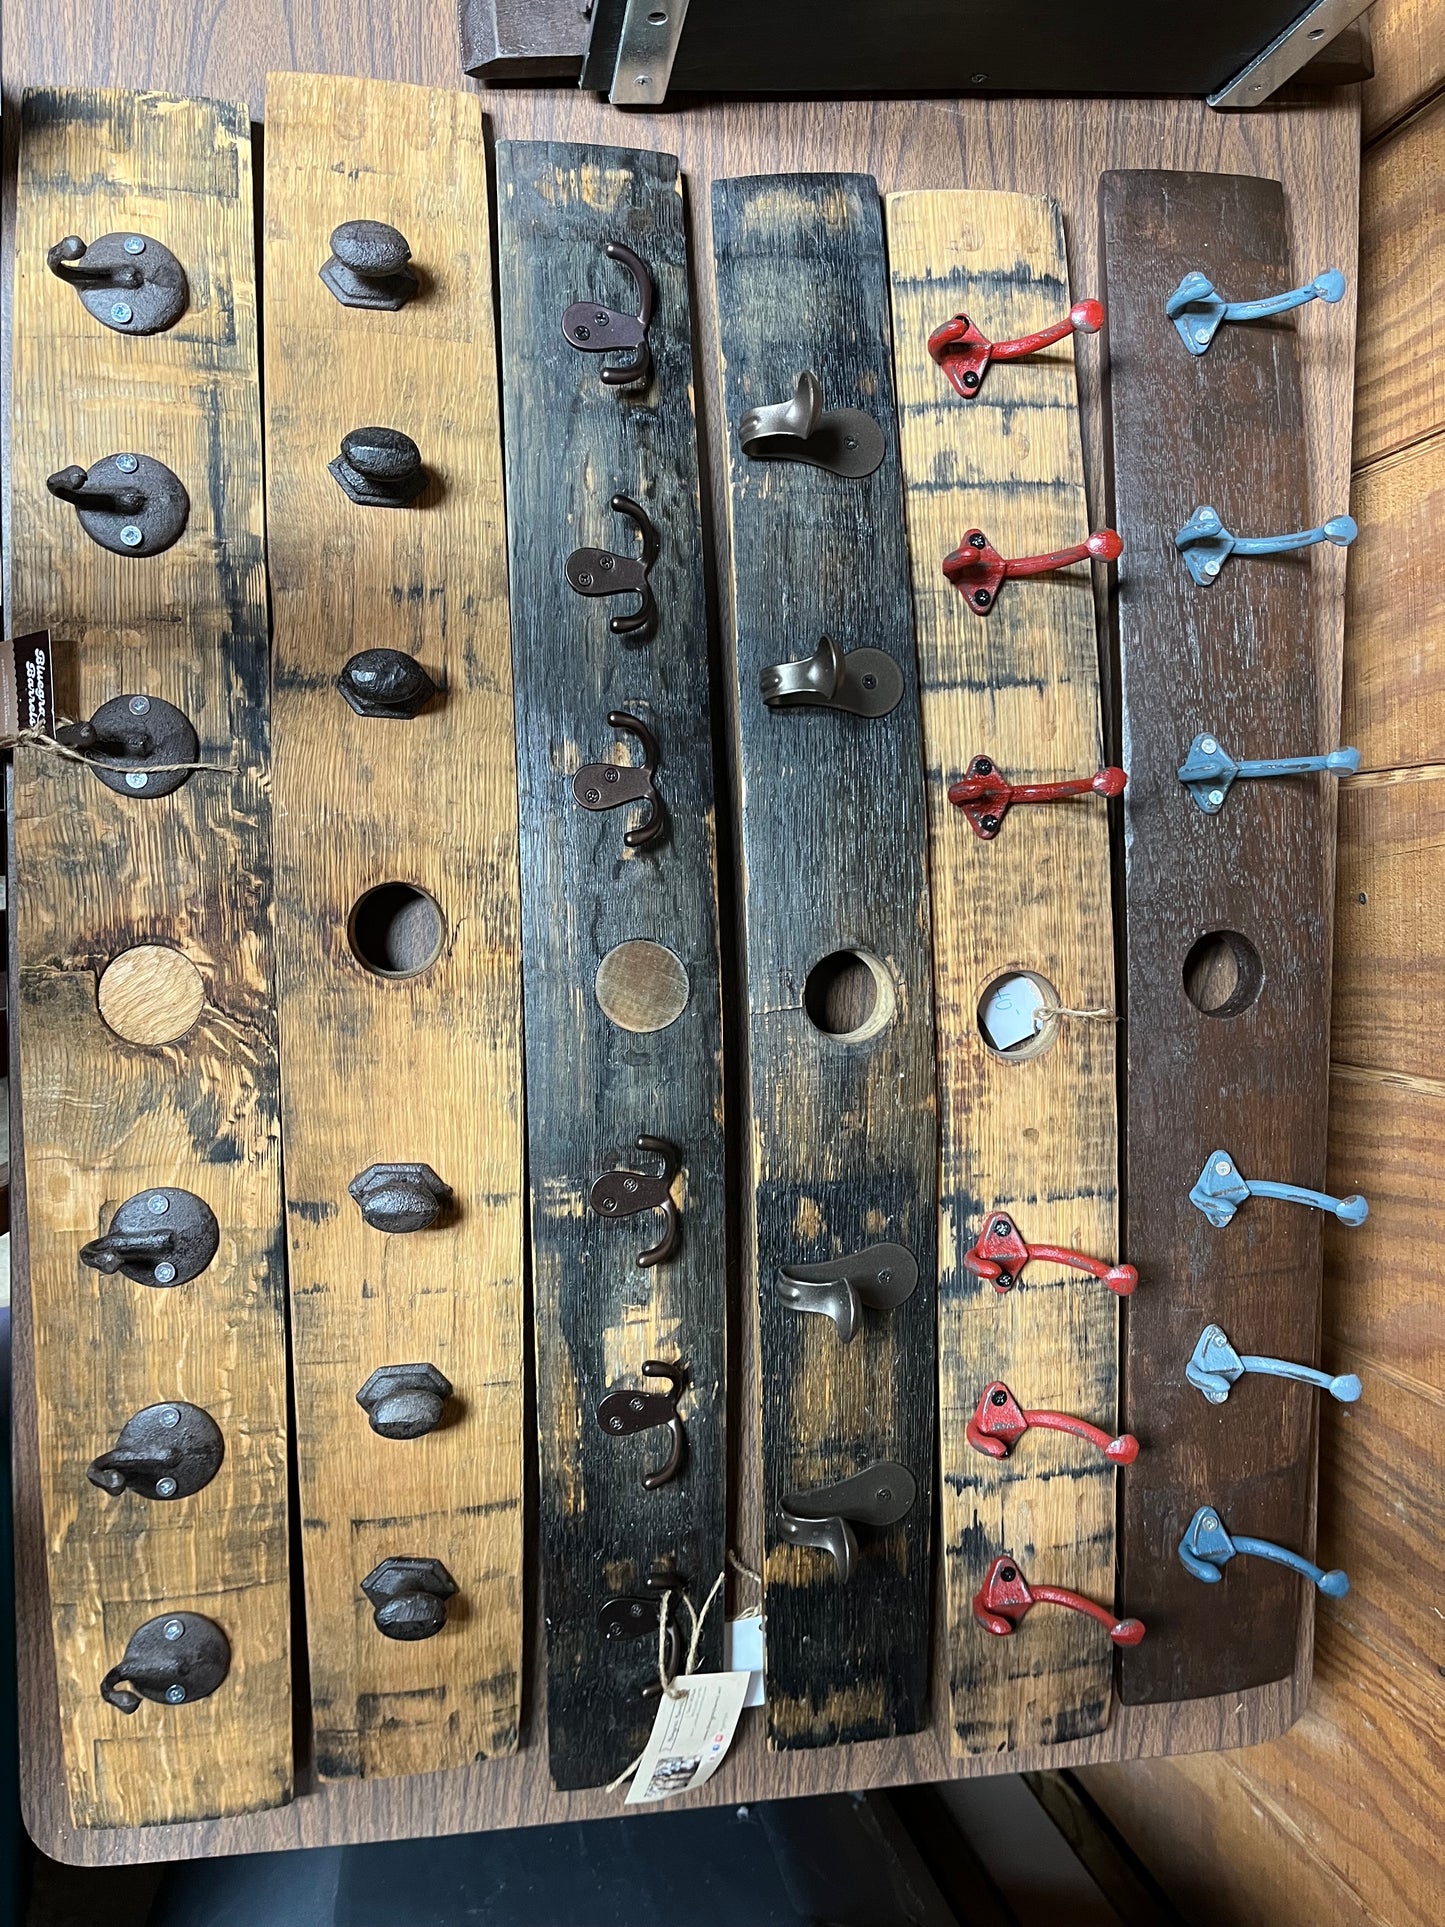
129, 504
400, 1197
595, 330
367, 266
978, 571
864, 682
404, 1401
409, 1597
878, 1276
623, 1193
1005, 1596
634, 1616
163, 1452
606, 786
128, 282
1221, 1188
160, 1237
598, 572
621, 1414
171, 1660
1287, 53
131, 742
999, 1422
651, 30
379, 468
878, 1496
963, 351
985, 795
385, 682
845, 441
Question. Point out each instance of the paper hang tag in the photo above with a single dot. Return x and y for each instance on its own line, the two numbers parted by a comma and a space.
690, 1736
27, 684
1011, 1012
743, 1647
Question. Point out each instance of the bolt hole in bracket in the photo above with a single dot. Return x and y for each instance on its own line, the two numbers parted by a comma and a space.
163, 1452
1206, 1549
129, 504
861, 682
622, 1193
964, 352
161, 1237
844, 441
1221, 1189
1006, 1596
131, 744
171, 1660
130, 283
621, 1414
598, 572
823, 1519
595, 330
606, 786
878, 1278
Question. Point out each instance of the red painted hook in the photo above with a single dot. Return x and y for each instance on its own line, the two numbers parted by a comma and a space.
1005, 1596
978, 571
963, 353
999, 1422
1001, 1254
985, 794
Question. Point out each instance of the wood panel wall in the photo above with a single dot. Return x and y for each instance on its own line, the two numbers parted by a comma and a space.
1333, 1822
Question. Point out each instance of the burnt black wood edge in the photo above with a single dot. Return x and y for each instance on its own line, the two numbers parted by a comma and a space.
833, 838
592, 1089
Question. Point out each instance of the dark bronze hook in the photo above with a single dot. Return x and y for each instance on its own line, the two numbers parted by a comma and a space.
622, 1413
595, 330
599, 572
622, 1193
633, 1616
605, 786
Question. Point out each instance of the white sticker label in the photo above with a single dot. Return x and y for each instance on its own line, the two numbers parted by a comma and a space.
1011, 1013
743, 1647
690, 1736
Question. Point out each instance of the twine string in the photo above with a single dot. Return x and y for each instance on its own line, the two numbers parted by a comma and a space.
1047, 1012
38, 739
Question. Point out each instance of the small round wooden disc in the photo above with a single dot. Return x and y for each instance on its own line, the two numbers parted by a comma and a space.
642, 986
151, 994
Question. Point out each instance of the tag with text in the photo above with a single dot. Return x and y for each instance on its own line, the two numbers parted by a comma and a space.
690, 1736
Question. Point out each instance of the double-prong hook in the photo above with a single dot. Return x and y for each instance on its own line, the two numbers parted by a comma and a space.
594, 329
623, 1193
605, 786
599, 572
620, 1414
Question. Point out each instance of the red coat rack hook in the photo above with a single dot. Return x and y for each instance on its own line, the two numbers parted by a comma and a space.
999, 1422
963, 352
985, 795
978, 571
1000, 1254
1005, 1596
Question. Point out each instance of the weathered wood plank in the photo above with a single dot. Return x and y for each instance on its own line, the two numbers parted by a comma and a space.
1030, 1134
1244, 1075
1400, 362
594, 1085
1385, 1283
843, 1108
1394, 685
423, 1064
95, 874
1390, 976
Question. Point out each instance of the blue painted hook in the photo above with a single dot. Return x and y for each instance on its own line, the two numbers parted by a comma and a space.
1206, 1549
1197, 308
1208, 770
1221, 1190
1206, 544
1215, 1366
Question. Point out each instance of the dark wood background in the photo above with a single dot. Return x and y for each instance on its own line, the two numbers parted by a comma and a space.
1057, 147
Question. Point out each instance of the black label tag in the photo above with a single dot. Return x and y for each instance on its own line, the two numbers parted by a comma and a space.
27, 684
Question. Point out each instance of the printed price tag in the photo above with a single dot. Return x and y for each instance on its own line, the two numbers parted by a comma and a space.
27, 684
690, 1736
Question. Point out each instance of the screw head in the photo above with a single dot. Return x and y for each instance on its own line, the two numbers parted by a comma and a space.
165, 1272
1201, 334
1216, 797
1208, 1523
614, 1425
136, 779
975, 541
134, 244
1008, 1573
165, 1488
139, 705
1208, 745
175, 1694
593, 794
585, 579
1212, 567
612, 776
984, 766
982, 598
989, 823
582, 334
885, 1277
121, 312
127, 464
1223, 1168
601, 317
998, 1398
160, 1205
173, 1629
168, 1416
978, 79
131, 536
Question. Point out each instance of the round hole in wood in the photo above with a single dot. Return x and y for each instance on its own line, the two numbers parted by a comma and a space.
1016, 1015
151, 994
1223, 973
396, 930
642, 986
849, 995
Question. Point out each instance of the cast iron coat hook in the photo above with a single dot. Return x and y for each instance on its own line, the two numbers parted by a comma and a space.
878, 1277
1206, 544
163, 1452
367, 266
129, 504
598, 572
171, 1660
1208, 770
978, 571
1000, 1254
595, 330
1221, 1189
999, 1422
985, 795
622, 1193
129, 282
605, 786
1215, 1367
1206, 1549
634, 1616
824, 1518
132, 744
1005, 1596
1198, 309
620, 1414
845, 441
160, 1237
964, 352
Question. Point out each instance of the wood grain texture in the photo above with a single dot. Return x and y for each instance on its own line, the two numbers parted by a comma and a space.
1030, 146
151, 994
1394, 689
92, 875
843, 1126
420, 1067
1390, 975
1385, 1283
592, 1086
1408, 37
1034, 1136
1237, 659
1400, 368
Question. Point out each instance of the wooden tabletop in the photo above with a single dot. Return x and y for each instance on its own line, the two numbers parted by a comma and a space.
1049, 147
